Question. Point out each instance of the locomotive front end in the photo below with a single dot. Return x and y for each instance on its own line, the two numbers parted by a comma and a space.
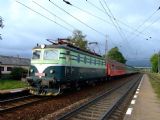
42, 75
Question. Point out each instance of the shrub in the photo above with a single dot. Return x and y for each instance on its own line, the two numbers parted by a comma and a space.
18, 72
5, 76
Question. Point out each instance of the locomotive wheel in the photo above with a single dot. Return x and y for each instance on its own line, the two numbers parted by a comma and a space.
57, 91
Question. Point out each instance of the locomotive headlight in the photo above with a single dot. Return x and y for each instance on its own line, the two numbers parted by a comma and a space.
31, 70
51, 71
42, 46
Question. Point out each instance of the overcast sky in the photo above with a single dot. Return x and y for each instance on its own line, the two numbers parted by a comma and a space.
24, 28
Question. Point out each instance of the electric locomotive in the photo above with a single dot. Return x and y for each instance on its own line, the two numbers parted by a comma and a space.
61, 65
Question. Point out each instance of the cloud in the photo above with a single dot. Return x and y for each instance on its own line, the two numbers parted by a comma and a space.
24, 28
14, 10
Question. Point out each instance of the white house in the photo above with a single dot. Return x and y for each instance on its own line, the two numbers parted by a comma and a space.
8, 62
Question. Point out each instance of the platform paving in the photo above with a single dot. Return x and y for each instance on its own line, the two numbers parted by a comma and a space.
13, 90
145, 104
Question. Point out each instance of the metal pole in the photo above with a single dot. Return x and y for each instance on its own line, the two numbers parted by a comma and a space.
0, 69
106, 49
158, 62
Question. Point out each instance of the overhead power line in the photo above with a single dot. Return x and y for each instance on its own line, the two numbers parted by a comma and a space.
44, 16
54, 15
77, 19
89, 13
128, 26
147, 27
148, 18
105, 21
111, 19
114, 19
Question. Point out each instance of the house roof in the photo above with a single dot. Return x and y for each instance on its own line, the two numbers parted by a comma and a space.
9, 60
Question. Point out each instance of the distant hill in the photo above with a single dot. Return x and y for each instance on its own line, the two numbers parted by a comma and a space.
139, 63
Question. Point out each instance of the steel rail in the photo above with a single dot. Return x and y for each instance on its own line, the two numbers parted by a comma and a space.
15, 99
120, 100
93, 101
18, 103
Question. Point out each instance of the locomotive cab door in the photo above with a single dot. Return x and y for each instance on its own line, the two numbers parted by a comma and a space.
68, 68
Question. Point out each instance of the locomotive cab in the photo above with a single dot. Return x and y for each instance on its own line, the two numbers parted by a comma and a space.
42, 70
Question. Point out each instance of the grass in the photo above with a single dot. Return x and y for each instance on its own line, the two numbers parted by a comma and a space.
11, 84
155, 81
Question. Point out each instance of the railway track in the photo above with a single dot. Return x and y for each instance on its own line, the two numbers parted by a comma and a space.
15, 103
13, 94
104, 106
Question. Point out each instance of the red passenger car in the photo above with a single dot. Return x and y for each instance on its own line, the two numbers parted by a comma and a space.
115, 68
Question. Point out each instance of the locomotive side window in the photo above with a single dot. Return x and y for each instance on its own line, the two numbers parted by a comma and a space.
78, 58
85, 59
36, 54
95, 61
51, 54
67, 52
90, 60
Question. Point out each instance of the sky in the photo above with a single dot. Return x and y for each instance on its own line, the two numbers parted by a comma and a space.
131, 25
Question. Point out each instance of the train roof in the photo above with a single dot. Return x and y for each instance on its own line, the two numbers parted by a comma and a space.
69, 47
118, 63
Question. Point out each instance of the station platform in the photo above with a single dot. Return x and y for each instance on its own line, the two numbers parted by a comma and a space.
13, 90
145, 104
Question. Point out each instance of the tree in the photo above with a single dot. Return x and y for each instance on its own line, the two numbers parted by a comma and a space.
154, 62
78, 39
115, 54
1, 25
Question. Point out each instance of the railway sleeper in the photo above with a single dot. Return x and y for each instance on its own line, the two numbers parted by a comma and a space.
89, 111
95, 109
82, 117
85, 113
89, 114
101, 105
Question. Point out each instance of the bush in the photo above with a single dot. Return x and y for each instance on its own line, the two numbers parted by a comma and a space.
18, 72
5, 76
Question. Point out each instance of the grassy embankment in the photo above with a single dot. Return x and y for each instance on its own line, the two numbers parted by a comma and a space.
11, 84
155, 81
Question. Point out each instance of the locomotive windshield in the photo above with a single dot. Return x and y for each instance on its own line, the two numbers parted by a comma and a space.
51, 54
36, 54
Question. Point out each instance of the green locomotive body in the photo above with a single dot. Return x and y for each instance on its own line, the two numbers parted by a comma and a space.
59, 66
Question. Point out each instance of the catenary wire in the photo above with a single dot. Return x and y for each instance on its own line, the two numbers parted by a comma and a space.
114, 19
91, 14
140, 26
111, 19
128, 26
54, 14
113, 23
77, 18
57, 16
116, 23
44, 16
